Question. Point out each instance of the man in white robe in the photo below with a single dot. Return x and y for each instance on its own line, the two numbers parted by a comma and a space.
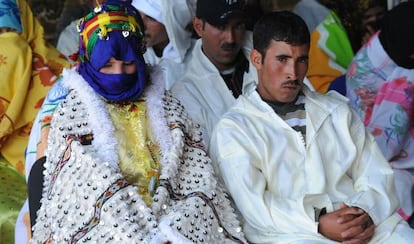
300, 165
218, 70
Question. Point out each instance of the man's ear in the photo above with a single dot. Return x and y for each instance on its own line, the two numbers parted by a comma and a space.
198, 26
256, 58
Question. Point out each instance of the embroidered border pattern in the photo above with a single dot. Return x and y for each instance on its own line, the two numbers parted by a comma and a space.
206, 199
63, 160
110, 191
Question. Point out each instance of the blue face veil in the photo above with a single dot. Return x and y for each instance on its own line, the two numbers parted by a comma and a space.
112, 30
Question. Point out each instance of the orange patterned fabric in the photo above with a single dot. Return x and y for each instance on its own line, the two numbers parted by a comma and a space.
29, 67
320, 74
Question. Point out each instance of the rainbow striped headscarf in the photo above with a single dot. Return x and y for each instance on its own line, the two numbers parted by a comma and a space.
112, 15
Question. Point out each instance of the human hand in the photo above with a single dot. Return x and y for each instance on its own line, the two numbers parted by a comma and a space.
348, 224
361, 229
332, 224
362, 238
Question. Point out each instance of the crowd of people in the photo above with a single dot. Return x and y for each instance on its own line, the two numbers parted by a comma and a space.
216, 121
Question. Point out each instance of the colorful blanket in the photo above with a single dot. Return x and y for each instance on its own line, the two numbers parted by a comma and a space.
330, 53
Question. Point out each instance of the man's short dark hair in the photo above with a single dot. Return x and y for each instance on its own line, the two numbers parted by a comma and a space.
279, 26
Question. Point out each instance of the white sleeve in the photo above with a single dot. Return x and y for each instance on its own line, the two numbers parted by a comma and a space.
372, 174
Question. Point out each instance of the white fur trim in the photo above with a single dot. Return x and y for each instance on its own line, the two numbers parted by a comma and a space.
154, 96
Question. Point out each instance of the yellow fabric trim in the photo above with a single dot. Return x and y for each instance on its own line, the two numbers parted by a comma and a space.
134, 24
102, 20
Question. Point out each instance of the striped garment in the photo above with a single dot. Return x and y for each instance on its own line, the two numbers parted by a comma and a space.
292, 113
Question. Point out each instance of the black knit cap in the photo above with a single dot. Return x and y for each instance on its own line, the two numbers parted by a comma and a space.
218, 12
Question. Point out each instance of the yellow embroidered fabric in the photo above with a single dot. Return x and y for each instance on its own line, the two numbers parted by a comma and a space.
138, 153
28, 68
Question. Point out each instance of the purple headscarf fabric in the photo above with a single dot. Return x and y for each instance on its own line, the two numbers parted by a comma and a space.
115, 87
122, 41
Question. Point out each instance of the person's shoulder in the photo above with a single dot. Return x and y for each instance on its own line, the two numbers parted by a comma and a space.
243, 108
184, 85
188, 83
239, 118
330, 101
13, 46
331, 95
58, 91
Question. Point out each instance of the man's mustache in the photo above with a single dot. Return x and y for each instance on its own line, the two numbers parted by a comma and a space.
292, 82
228, 46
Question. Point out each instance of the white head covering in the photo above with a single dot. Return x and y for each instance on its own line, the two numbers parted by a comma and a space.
175, 15
151, 8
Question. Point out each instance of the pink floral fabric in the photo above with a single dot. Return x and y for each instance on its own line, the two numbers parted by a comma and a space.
382, 93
